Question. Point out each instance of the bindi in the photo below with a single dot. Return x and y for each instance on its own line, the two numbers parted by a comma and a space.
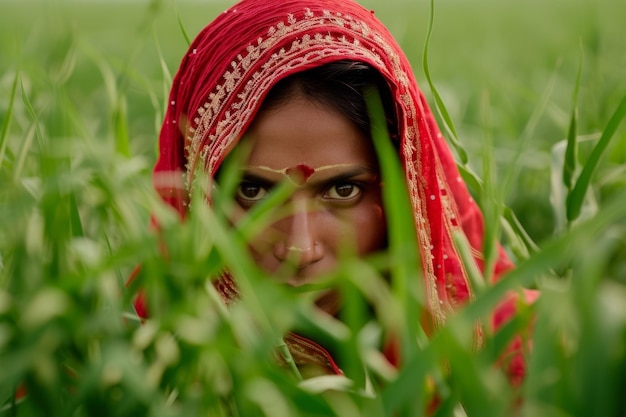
300, 173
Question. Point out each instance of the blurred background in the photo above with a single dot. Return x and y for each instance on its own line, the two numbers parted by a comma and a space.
506, 71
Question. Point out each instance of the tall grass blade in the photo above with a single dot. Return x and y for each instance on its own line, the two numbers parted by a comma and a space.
8, 118
404, 389
440, 106
463, 247
576, 197
518, 233
233, 252
407, 281
468, 374
120, 125
467, 173
402, 239
473, 181
490, 209
23, 152
35, 131
261, 215
501, 340
76, 226
571, 152
182, 27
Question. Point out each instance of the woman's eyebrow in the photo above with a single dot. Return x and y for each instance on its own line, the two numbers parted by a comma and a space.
322, 177
259, 179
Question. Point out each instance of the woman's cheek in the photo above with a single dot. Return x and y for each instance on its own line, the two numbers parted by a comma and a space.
370, 228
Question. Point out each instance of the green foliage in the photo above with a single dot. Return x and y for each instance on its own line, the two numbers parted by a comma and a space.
79, 99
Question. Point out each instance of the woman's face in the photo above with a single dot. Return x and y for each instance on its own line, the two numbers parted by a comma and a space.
337, 202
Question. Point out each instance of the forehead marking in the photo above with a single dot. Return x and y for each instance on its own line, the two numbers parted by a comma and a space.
300, 173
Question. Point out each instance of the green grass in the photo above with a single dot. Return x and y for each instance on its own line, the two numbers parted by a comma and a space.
82, 90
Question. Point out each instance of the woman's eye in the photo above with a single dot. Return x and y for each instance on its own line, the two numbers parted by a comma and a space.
343, 191
251, 193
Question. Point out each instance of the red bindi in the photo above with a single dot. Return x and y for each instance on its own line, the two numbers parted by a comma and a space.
300, 172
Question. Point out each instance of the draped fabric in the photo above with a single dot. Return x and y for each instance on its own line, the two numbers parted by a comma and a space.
233, 63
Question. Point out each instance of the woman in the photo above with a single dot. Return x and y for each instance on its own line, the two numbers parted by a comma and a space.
286, 81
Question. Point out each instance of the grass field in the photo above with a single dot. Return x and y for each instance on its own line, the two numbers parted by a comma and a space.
82, 91
522, 57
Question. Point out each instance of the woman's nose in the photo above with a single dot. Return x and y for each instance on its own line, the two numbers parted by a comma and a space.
299, 242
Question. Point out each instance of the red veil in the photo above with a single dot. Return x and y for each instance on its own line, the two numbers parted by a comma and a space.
234, 62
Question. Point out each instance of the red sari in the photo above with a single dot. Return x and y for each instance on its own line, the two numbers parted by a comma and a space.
233, 63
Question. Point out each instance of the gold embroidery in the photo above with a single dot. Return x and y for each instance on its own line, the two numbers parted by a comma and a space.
228, 131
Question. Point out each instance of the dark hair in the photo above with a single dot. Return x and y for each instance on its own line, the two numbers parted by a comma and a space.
340, 85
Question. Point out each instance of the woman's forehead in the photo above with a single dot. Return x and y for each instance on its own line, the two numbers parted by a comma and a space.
301, 174
301, 134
